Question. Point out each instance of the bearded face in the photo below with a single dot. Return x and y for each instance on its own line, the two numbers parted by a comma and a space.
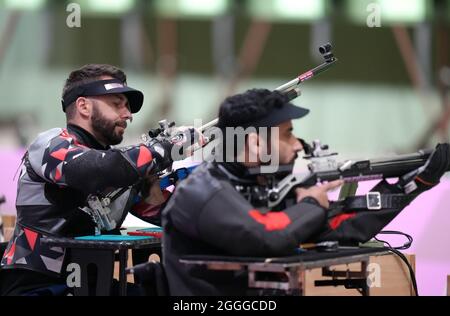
109, 131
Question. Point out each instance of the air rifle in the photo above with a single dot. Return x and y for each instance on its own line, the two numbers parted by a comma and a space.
323, 166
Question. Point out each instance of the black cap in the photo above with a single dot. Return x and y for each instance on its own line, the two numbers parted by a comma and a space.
279, 115
103, 87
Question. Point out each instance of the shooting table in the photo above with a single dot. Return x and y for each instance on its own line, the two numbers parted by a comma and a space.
100, 251
287, 274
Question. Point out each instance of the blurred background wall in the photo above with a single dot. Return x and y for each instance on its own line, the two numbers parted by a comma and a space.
388, 93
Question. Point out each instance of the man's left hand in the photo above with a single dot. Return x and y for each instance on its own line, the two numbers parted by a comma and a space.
437, 165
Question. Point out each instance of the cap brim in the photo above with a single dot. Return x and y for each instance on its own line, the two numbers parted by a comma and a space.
135, 97
280, 115
295, 112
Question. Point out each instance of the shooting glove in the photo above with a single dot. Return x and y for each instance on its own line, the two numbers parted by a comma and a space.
438, 163
436, 166
162, 149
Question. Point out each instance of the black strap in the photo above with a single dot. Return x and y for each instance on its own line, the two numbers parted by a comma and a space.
376, 201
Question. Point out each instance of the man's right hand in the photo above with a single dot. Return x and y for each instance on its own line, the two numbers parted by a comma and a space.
185, 140
319, 192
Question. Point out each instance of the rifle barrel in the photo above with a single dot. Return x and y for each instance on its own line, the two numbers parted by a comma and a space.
306, 76
208, 125
378, 168
288, 87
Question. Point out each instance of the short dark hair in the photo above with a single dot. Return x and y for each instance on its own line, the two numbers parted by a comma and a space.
90, 73
243, 109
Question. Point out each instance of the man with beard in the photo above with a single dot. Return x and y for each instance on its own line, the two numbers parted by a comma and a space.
213, 211
63, 166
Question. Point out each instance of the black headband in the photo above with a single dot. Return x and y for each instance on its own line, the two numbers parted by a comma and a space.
102, 87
